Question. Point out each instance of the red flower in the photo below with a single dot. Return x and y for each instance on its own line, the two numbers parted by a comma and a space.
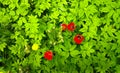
78, 39
71, 26
64, 27
48, 55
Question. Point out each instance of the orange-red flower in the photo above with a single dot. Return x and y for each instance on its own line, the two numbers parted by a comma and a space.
64, 27
71, 26
78, 39
48, 55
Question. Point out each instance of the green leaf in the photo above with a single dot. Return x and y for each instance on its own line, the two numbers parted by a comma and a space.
86, 50
110, 13
84, 29
115, 16
106, 9
81, 13
74, 53
91, 9
57, 49
117, 69
12, 13
72, 47
97, 2
89, 69
50, 26
2, 46
65, 54
32, 19
96, 22
55, 15
84, 3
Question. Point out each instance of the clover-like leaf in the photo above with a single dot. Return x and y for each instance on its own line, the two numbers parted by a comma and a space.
74, 53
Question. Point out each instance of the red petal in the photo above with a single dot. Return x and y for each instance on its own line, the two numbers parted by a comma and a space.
78, 39
48, 55
71, 26
64, 26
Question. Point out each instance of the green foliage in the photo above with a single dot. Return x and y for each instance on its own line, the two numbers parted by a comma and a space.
25, 22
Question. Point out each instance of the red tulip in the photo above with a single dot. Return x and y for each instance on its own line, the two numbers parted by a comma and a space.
48, 55
78, 39
64, 27
71, 26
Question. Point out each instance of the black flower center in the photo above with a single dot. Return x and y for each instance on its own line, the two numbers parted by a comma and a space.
79, 37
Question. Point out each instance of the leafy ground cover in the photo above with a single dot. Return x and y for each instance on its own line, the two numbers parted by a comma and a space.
59, 36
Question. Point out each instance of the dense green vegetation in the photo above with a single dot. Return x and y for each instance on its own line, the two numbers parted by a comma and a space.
24, 23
